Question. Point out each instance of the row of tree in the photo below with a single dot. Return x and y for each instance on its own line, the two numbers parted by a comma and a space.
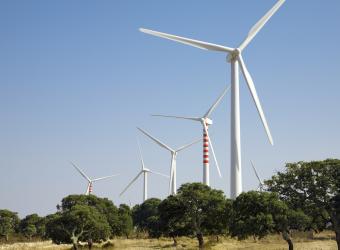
306, 196
78, 218
31, 225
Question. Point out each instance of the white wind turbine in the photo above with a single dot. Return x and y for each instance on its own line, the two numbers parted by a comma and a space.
205, 121
144, 171
235, 59
261, 184
174, 152
89, 180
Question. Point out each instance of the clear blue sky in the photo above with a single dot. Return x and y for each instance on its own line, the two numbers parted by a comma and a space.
77, 77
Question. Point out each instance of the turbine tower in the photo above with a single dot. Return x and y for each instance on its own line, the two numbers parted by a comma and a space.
258, 177
206, 122
174, 152
144, 171
234, 57
90, 181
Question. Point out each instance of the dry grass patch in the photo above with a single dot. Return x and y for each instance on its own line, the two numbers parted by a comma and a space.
323, 241
34, 245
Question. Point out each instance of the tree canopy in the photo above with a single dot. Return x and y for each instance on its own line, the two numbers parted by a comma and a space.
258, 214
9, 222
125, 220
103, 205
146, 217
311, 187
79, 223
195, 210
32, 225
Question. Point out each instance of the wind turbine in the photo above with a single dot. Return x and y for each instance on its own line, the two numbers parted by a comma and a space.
258, 177
174, 152
144, 171
206, 122
234, 57
90, 181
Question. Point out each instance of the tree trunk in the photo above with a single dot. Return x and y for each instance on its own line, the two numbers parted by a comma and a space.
74, 242
335, 222
90, 243
287, 238
337, 238
6, 237
200, 240
75, 246
217, 238
175, 240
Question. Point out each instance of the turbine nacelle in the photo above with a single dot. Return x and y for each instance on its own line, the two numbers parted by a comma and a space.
207, 121
233, 56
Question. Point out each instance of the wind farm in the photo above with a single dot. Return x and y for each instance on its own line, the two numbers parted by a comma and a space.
234, 57
80, 82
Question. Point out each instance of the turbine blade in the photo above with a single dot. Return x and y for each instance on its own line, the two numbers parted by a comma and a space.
180, 117
156, 140
140, 154
188, 145
105, 177
217, 102
256, 99
134, 179
81, 172
257, 175
164, 175
212, 150
259, 25
188, 41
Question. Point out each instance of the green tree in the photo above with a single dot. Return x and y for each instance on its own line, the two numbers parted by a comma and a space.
9, 222
103, 205
172, 223
310, 187
54, 228
32, 225
79, 223
218, 216
258, 214
146, 217
125, 220
199, 210
41, 227
29, 231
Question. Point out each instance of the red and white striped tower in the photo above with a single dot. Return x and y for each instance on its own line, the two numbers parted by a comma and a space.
205, 157
90, 188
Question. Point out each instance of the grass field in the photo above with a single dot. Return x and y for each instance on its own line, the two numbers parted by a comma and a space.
322, 241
